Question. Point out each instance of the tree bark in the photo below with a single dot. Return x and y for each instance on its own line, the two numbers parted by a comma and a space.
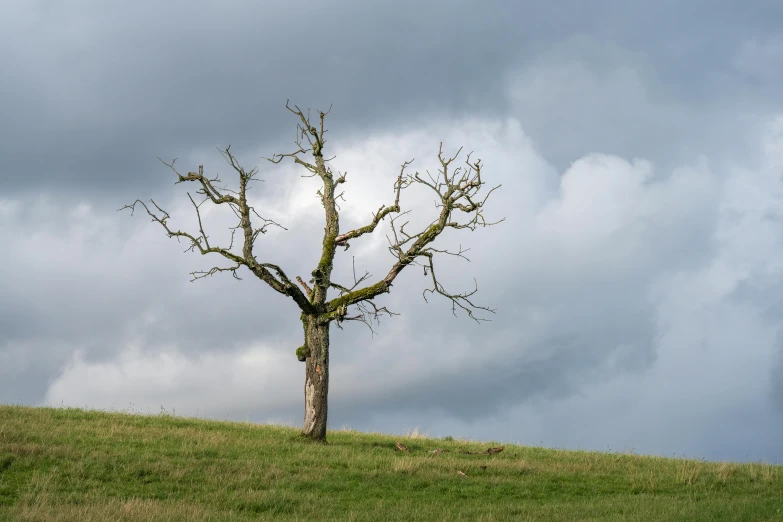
316, 378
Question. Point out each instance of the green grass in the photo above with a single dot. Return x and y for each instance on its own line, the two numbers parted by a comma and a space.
69, 464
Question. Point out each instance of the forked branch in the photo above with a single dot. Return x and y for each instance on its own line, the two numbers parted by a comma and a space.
457, 197
402, 182
271, 274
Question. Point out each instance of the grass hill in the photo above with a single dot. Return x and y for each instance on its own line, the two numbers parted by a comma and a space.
70, 464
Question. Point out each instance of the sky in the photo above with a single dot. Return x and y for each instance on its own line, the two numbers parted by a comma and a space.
637, 278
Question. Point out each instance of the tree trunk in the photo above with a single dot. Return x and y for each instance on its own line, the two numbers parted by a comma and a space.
316, 379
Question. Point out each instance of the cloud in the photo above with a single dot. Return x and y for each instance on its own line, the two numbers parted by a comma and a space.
761, 59
614, 284
636, 277
211, 384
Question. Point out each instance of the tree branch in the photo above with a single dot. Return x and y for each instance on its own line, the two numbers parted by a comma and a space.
342, 239
316, 141
239, 204
457, 190
307, 289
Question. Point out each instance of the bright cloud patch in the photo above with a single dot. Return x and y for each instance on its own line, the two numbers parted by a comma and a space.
211, 384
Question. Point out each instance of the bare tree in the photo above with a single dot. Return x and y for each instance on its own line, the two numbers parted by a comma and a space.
456, 192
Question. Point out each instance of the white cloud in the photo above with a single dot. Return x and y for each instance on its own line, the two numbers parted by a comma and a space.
211, 384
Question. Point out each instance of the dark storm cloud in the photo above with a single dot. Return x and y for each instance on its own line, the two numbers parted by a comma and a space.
97, 92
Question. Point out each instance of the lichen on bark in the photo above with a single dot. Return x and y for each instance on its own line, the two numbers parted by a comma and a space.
357, 295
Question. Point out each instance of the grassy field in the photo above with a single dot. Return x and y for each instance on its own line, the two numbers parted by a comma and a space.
68, 464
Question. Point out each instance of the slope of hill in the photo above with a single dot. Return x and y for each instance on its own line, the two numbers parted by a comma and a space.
70, 464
